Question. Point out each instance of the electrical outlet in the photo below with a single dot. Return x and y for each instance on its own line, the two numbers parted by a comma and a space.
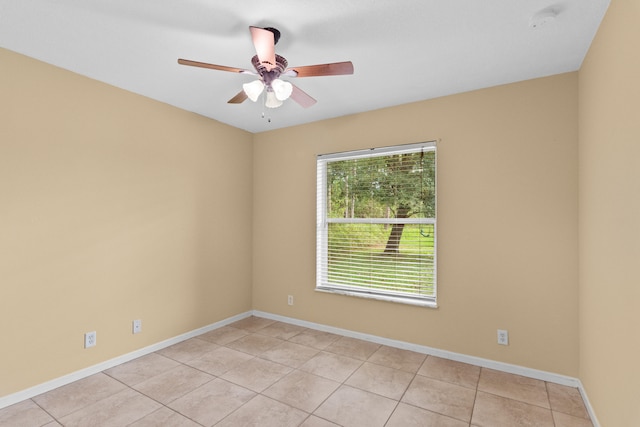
137, 326
90, 339
503, 337
290, 299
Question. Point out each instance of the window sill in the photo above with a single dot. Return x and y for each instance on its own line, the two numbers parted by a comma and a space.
388, 298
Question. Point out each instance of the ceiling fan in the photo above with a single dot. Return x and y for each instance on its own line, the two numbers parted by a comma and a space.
270, 67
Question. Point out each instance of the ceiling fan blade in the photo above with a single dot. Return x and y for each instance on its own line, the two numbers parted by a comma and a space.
239, 98
333, 69
213, 66
301, 97
264, 42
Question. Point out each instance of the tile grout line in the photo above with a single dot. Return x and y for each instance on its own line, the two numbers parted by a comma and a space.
475, 397
259, 356
343, 383
162, 405
47, 412
546, 388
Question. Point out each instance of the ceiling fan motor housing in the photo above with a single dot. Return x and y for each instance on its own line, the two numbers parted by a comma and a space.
276, 34
269, 76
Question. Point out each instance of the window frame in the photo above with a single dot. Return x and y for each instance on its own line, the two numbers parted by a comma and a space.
322, 223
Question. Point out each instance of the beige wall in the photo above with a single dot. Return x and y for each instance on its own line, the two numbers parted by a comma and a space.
609, 114
507, 215
112, 208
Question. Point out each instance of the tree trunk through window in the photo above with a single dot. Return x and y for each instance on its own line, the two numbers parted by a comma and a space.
393, 242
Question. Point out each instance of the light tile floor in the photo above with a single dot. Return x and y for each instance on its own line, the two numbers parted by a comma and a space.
258, 372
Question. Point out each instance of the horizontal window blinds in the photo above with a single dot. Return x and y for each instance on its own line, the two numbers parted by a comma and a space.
376, 222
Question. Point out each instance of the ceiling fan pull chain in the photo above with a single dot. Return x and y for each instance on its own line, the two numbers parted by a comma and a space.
264, 102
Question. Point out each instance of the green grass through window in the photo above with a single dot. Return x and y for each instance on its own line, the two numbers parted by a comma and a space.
357, 258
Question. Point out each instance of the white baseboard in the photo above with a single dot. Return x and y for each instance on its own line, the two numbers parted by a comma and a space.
478, 361
587, 404
91, 370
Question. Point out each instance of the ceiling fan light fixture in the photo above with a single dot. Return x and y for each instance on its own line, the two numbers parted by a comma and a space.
272, 101
253, 89
269, 66
281, 89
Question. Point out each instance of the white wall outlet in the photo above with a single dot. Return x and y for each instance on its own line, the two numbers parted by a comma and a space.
137, 326
90, 339
503, 337
290, 299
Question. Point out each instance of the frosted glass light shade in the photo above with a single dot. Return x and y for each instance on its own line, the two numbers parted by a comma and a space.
253, 89
272, 101
282, 89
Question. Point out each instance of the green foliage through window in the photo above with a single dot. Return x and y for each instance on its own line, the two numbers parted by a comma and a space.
377, 221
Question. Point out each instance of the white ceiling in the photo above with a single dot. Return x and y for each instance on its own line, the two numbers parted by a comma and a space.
402, 50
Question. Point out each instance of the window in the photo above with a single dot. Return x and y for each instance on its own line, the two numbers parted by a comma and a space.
376, 223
